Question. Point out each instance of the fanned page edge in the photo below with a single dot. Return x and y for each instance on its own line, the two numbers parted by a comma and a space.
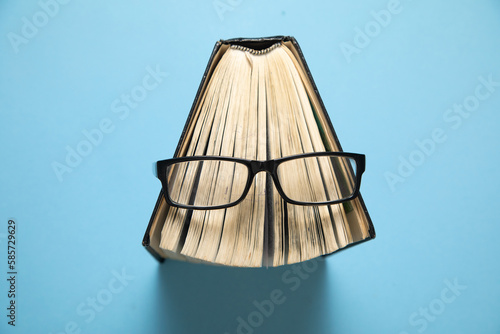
358, 217
151, 241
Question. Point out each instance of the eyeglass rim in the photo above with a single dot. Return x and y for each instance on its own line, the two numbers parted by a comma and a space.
254, 167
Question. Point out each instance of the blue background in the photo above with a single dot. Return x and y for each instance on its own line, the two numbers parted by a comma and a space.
436, 226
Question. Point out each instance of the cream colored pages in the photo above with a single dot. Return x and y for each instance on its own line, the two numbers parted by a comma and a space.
256, 107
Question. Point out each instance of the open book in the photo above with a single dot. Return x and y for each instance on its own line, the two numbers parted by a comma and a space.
257, 101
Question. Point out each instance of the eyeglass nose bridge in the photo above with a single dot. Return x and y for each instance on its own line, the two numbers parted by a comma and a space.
262, 166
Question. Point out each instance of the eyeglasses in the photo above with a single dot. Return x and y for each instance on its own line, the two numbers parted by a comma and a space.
216, 182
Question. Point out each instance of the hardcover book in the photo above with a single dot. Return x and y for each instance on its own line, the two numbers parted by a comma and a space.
256, 110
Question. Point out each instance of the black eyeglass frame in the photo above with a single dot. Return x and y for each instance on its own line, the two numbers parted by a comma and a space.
257, 166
